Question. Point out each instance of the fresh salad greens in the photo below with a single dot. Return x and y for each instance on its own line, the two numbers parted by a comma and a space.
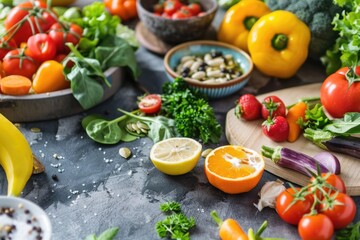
100, 48
193, 115
346, 51
108, 234
176, 225
351, 232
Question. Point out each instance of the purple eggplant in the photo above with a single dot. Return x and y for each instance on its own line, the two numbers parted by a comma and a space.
288, 158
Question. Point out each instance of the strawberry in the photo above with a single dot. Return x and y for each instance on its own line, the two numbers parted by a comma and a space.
248, 107
277, 129
272, 106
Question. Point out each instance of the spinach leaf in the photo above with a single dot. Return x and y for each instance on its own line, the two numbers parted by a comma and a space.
160, 127
108, 234
103, 131
114, 51
349, 124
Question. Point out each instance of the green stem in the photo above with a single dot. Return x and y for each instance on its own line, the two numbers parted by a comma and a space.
249, 22
279, 41
216, 218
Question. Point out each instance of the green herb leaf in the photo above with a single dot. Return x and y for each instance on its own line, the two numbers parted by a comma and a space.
315, 118
349, 124
102, 131
91, 237
351, 232
193, 115
109, 234
170, 207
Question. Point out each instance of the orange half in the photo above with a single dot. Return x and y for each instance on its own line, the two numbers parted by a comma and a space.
234, 169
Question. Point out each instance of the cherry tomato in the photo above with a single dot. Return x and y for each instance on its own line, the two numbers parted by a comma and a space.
150, 104
333, 180
6, 45
195, 8
337, 96
341, 210
293, 214
124, 9
315, 227
17, 63
158, 8
272, 106
170, 7
63, 33
27, 19
41, 47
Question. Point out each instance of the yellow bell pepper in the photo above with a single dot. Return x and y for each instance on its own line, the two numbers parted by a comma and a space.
278, 44
238, 20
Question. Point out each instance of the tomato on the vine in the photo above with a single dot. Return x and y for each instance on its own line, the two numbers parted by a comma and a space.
150, 104
41, 47
27, 19
341, 209
315, 227
63, 33
124, 9
338, 96
292, 214
334, 180
16, 62
6, 45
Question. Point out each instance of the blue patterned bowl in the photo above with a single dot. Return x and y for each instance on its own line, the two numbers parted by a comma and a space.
212, 90
174, 31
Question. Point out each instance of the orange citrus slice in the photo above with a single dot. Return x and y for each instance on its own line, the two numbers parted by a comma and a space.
176, 156
234, 169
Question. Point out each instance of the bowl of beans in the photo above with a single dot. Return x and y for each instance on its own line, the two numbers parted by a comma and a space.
175, 21
214, 68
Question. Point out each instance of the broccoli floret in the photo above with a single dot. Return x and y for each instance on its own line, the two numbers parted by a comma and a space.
318, 15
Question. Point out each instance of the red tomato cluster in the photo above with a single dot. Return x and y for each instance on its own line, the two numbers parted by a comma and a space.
317, 209
175, 9
34, 35
272, 109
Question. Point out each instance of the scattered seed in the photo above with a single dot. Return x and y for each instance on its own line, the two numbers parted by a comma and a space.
125, 152
206, 152
35, 130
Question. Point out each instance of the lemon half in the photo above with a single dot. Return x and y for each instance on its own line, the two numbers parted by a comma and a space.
175, 156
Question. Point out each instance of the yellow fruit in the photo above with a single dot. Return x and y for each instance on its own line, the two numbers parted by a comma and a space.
176, 156
234, 169
15, 156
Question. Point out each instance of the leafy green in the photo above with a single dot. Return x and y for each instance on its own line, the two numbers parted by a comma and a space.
175, 226
160, 127
4, 11
108, 234
315, 118
349, 124
127, 34
193, 115
170, 206
347, 46
351, 232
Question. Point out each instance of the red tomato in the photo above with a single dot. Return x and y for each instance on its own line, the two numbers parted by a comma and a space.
6, 45
272, 106
181, 14
333, 180
337, 96
22, 20
17, 63
150, 104
62, 33
170, 7
41, 47
341, 210
158, 8
195, 8
124, 9
315, 227
294, 213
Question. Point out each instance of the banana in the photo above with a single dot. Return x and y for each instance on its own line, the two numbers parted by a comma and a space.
15, 157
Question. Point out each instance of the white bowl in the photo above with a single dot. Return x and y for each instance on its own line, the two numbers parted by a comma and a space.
24, 210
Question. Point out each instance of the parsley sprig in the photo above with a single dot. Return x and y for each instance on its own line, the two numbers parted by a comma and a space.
175, 226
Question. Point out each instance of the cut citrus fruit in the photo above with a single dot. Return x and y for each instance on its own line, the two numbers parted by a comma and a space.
176, 156
234, 169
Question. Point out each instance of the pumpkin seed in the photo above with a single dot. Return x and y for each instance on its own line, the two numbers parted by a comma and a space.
142, 125
125, 152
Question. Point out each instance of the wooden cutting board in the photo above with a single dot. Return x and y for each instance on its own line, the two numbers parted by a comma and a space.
249, 134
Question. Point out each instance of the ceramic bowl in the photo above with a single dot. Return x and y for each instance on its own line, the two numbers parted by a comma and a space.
174, 31
200, 48
25, 216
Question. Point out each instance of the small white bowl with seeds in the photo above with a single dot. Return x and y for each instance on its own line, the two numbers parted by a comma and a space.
214, 68
22, 219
